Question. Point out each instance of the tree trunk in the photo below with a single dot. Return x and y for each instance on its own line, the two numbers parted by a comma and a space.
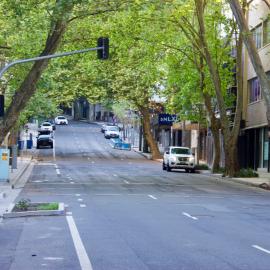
148, 134
231, 157
28, 86
216, 159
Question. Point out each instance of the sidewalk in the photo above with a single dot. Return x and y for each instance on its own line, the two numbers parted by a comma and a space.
263, 181
17, 177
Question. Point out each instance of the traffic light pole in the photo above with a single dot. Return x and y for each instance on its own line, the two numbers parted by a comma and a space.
5, 68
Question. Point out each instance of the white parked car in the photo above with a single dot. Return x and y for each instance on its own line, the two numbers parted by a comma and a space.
46, 126
177, 157
112, 132
61, 120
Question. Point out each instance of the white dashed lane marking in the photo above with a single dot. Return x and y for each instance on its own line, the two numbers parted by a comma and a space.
189, 216
152, 197
261, 249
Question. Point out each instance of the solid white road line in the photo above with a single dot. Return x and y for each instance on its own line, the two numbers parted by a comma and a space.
54, 158
188, 215
262, 249
81, 252
152, 197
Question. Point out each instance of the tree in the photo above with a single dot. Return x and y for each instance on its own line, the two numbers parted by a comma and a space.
56, 19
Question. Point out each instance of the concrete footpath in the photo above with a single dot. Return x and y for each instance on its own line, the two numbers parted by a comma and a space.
263, 181
17, 179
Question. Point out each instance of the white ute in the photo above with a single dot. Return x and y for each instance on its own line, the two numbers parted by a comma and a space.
177, 157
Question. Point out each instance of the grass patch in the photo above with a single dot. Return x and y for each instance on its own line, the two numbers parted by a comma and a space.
48, 206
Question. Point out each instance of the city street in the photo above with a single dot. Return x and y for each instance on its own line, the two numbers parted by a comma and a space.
124, 212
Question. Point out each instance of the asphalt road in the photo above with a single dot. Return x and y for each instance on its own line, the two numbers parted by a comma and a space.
124, 212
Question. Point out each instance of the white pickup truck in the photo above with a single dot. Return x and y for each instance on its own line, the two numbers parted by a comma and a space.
177, 157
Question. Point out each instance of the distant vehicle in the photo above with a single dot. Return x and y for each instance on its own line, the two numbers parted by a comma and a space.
61, 120
44, 132
52, 122
46, 126
44, 141
177, 157
104, 127
112, 132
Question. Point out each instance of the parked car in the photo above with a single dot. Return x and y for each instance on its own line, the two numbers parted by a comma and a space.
104, 127
61, 120
44, 141
45, 132
177, 157
46, 126
112, 132
52, 122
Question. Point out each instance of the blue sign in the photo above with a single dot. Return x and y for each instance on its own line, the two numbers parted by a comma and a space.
4, 164
166, 119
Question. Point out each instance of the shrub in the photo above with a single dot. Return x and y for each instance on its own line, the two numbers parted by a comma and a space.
23, 204
246, 173
202, 167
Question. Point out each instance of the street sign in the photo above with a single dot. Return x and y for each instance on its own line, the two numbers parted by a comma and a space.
166, 119
4, 164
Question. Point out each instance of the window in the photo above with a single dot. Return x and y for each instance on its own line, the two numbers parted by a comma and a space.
179, 151
266, 32
254, 90
257, 36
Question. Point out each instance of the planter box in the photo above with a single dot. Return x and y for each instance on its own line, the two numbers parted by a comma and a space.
11, 213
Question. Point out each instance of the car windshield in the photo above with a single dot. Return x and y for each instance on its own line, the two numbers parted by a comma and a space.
178, 151
61, 117
46, 124
43, 137
113, 128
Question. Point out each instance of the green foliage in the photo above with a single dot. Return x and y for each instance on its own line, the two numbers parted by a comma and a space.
202, 167
23, 204
246, 173
48, 206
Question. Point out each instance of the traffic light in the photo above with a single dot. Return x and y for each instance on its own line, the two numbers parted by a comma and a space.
103, 53
2, 105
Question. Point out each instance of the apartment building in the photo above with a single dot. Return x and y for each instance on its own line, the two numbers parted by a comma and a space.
253, 141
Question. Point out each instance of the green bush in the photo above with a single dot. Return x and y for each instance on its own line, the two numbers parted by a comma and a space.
246, 173
23, 204
202, 167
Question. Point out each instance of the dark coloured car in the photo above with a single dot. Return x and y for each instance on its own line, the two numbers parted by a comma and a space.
44, 132
44, 141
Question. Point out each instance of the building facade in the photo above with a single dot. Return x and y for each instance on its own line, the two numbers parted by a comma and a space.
253, 141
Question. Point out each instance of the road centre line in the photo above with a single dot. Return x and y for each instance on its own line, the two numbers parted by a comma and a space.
189, 216
261, 248
152, 197
79, 247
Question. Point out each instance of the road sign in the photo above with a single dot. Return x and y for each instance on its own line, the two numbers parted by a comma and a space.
4, 164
